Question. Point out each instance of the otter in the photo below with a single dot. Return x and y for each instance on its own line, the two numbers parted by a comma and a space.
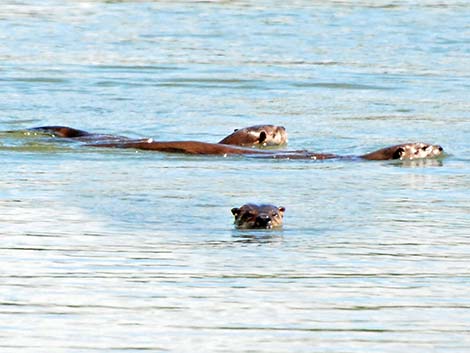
251, 216
407, 151
252, 136
237, 142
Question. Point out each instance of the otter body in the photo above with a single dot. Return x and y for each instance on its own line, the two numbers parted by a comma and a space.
187, 147
251, 216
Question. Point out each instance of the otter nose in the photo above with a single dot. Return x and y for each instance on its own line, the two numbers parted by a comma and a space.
440, 148
263, 221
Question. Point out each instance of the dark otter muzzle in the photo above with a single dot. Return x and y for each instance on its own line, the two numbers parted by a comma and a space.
263, 221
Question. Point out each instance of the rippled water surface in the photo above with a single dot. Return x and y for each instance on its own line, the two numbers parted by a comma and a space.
113, 250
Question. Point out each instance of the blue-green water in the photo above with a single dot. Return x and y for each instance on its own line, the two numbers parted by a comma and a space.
118, 251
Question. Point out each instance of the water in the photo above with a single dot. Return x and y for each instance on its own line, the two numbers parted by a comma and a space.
112, 250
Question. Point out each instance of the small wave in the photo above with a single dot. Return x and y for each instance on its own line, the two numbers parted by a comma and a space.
341, 85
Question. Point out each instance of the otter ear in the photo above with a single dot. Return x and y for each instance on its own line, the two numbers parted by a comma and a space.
262, 136
235, 211
398, 153
282, 209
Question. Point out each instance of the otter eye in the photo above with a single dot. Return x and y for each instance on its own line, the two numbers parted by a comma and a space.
398, 153
262, 136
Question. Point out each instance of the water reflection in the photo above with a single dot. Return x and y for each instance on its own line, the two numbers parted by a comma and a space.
420, 163
258, 236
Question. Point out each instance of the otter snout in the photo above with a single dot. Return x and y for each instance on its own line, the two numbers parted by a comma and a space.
423, 150
263, 221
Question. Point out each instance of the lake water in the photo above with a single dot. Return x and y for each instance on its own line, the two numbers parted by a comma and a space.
120, 251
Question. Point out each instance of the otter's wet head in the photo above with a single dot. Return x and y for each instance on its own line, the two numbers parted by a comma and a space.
251, 216
268, 135
257, 135
417, 150
406, 151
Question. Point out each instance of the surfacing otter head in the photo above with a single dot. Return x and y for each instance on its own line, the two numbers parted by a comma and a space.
407, 151
257, 135
251, 216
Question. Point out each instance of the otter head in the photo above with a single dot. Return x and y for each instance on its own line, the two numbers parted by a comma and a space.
416, 151
251, 216
257, 135
406, 151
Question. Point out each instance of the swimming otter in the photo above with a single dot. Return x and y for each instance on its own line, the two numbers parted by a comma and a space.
252, 136
257, 135
251, 216
402, 152
405, 151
